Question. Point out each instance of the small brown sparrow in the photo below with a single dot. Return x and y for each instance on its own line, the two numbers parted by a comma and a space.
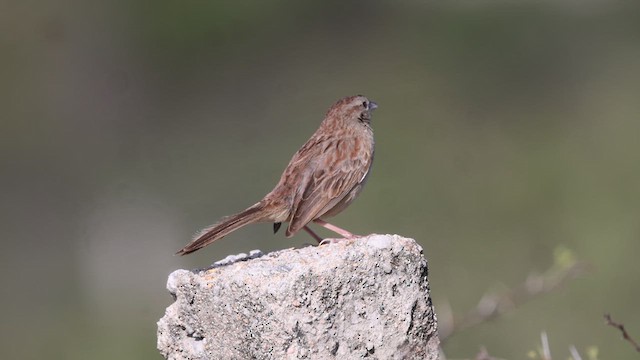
321, 180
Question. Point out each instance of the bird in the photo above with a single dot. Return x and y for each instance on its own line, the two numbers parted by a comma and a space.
322, 179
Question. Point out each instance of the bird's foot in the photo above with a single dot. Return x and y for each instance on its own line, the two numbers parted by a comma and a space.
328, 241
336, 240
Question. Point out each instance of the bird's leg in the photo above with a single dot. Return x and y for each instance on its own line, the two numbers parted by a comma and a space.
344, 233
313, 235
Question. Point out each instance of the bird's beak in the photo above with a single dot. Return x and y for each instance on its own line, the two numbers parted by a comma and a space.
372, 105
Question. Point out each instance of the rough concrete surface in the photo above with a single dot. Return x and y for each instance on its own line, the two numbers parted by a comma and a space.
361, 298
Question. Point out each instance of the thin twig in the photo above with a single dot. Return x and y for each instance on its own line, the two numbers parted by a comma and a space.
620, 326
574, 353
491, 306
546, 352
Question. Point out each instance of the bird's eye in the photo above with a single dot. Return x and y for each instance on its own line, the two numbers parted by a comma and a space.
364, 103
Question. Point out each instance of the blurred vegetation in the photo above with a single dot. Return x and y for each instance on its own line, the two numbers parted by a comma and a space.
505, 130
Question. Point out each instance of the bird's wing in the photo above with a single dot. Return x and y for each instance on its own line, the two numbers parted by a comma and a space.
328, 183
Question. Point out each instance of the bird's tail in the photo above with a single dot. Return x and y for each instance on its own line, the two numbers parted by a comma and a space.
224, 227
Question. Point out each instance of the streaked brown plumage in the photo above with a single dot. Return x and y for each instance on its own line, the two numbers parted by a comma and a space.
321, 180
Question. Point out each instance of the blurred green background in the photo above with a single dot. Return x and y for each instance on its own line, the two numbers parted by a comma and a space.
505, 130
